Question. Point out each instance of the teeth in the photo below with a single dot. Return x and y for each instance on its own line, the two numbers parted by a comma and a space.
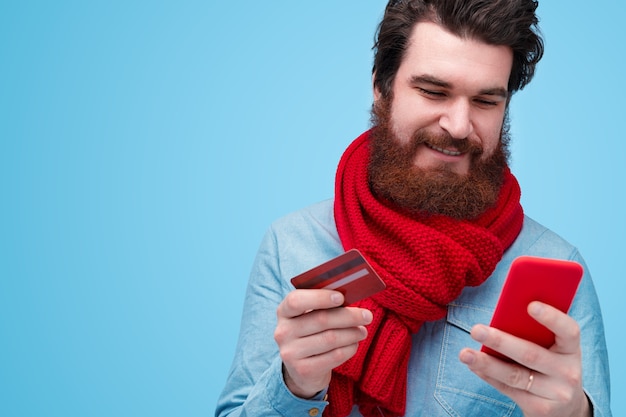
444, 151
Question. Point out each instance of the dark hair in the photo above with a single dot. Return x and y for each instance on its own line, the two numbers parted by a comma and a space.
511, 23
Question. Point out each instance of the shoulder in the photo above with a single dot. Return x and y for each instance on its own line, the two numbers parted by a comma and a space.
305, 238
308, 225
536, 239
320, 213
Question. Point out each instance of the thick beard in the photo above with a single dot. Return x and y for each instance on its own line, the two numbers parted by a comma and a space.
394, 177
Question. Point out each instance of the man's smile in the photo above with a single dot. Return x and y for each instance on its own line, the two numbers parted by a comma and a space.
443, 151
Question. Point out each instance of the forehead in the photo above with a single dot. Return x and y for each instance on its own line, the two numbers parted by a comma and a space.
463, 62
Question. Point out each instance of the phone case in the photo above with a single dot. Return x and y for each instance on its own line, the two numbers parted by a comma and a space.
551, 281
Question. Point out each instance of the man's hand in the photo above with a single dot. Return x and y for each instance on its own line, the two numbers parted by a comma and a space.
543, 382
314, 335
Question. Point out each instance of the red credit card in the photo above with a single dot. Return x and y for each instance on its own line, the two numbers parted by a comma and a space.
348, 273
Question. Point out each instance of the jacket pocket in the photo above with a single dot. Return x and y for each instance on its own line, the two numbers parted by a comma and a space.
458, 389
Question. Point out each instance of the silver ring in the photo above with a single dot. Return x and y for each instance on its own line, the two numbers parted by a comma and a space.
531, 378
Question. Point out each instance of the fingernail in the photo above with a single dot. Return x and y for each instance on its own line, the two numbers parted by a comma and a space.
535, 309
479, 333
363, 332
368, 316
336, 298
468, 357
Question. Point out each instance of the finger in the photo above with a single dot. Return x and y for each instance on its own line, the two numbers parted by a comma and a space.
565, 328
535, 393
519, 350
322, 343
299, 302
319, 321
307, 376
328, 360
509, 378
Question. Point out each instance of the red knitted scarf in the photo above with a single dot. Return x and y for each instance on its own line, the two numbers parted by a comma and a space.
425, 262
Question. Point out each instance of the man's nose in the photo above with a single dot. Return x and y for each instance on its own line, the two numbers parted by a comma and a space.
456, 119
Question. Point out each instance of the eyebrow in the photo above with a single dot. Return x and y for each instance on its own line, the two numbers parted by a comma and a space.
434, 81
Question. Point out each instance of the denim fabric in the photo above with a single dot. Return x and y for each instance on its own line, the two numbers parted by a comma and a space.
438, 383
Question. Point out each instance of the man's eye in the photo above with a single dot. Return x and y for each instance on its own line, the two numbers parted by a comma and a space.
431, 92
488, 103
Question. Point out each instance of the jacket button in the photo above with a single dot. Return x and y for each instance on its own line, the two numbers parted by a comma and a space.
314, 412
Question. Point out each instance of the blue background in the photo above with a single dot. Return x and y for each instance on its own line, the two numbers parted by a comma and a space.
146, 146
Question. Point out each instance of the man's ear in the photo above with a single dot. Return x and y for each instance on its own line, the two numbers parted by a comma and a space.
375, 89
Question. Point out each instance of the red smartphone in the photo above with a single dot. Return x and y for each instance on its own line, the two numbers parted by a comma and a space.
551, 281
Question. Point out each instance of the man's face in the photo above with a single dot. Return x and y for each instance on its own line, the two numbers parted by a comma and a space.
438, 144
451, 86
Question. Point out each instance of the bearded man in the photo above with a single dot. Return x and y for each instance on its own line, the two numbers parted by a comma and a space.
427, 196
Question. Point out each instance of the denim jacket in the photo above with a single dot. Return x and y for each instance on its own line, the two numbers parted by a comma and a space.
438, 383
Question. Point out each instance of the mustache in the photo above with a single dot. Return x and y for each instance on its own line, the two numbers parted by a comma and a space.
444, 141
